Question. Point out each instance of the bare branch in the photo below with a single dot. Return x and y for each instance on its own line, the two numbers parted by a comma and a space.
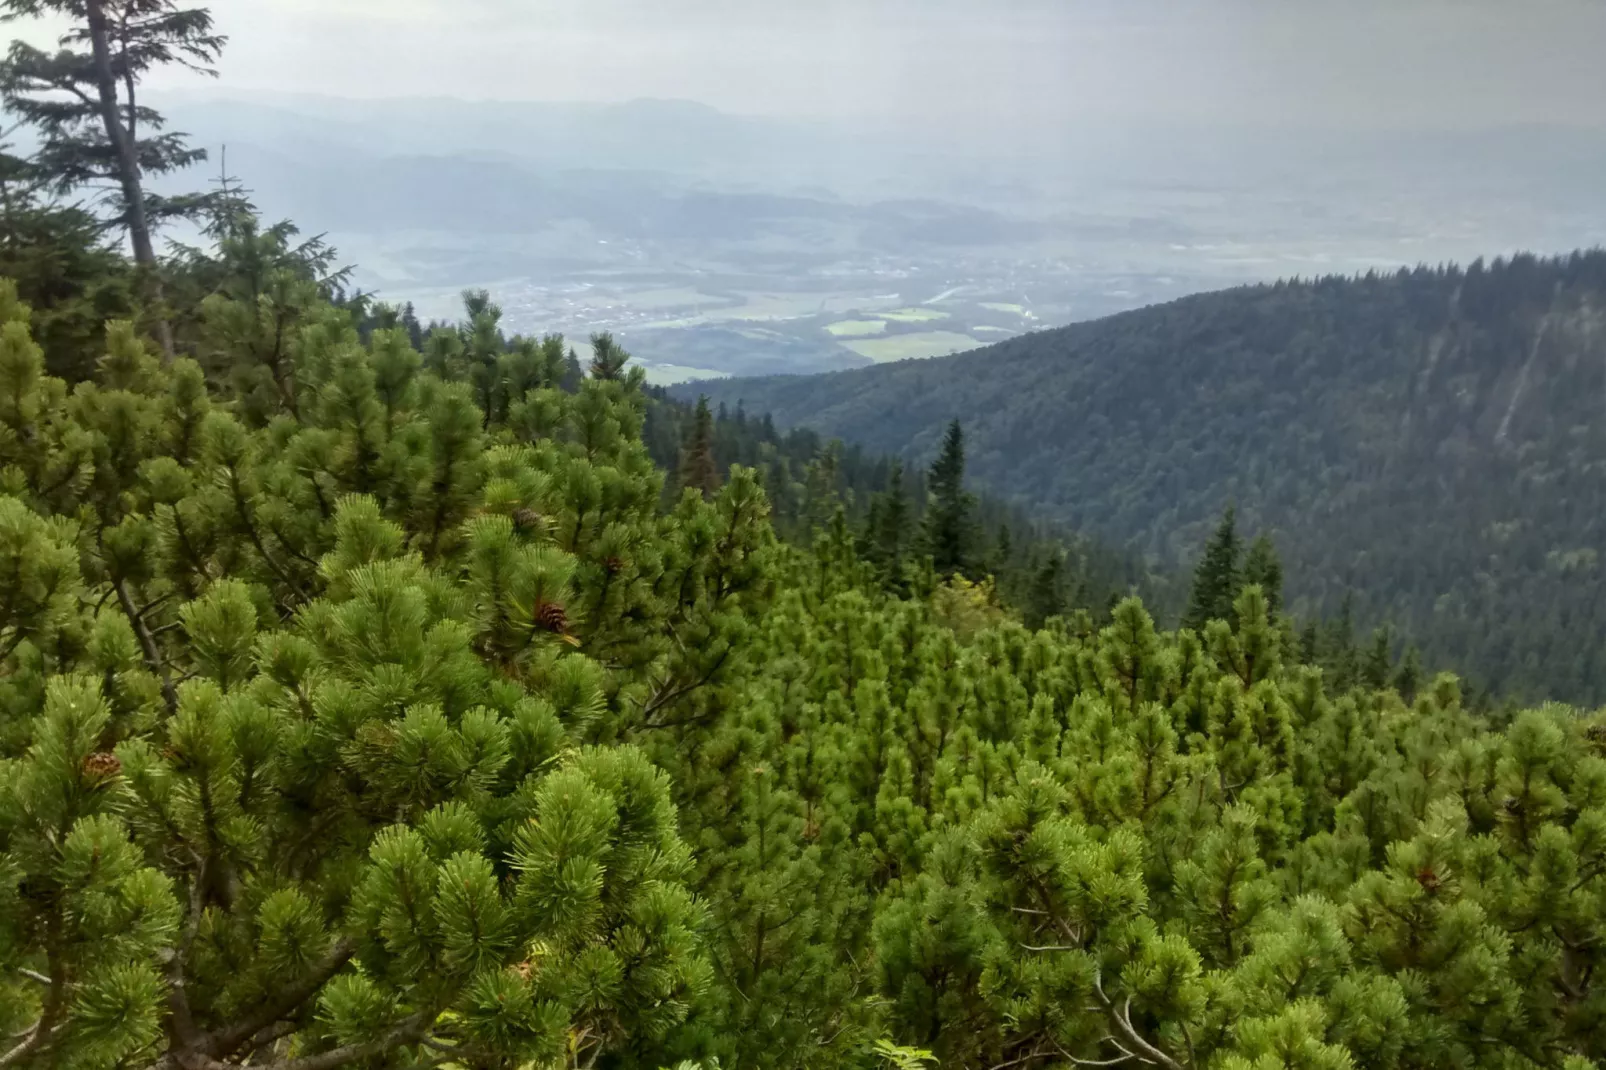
291, 997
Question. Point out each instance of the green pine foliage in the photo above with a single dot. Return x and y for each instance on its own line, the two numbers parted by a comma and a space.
367, 704
320, 703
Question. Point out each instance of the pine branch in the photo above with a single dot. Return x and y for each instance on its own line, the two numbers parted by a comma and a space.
1122, 1020
227, 1041
147, 643
409, 1031
44, 1028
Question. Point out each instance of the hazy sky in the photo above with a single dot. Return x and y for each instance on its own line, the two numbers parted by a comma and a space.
1319, 62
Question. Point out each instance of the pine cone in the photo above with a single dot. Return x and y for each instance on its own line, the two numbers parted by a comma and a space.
526, 519
1428, 879
614, 564
102, 766
553, 618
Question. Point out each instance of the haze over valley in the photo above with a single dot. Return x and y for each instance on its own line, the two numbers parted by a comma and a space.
715, 244
736, 195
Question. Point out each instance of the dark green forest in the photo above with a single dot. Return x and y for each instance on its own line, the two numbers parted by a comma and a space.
1045, 569
390, 696
1429, 440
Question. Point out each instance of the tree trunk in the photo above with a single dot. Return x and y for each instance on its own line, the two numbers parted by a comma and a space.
139, 229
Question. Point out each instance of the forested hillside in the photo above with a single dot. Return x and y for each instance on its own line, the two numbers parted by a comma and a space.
363, 706
1430, 440
1043, 568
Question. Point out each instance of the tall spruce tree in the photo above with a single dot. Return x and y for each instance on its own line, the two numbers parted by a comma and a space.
1264, 569
1379, 663
889, 527
1047, 596
698, 469
949, 524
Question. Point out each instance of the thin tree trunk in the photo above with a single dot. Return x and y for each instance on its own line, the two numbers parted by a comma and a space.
139, 229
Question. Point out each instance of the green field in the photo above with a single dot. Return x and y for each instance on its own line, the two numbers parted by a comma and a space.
908, 346
856, 328
1000, 306
913, 315
666, 297
669, 374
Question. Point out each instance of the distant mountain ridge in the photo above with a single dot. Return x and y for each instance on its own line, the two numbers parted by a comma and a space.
1431, 440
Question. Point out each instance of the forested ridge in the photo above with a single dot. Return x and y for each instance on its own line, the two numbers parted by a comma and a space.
390, 696
1429, 440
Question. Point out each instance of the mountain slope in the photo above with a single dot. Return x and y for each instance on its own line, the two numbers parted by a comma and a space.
1431, 439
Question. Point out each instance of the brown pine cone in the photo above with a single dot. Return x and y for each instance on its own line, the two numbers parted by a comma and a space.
614, 563
101, 766
553, 617
526, 519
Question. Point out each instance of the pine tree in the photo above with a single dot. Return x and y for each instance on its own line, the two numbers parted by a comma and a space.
949, 527
607, 358
1341, 658
1409, 676
572, 373
1218, 577
409, 323
1046, 598
889, 534
698, 470
1264, 569
1379, 661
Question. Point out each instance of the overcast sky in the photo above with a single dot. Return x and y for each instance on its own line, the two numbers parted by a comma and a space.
1373, 63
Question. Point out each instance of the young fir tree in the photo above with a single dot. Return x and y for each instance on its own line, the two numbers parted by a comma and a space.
698, 469
1218, 576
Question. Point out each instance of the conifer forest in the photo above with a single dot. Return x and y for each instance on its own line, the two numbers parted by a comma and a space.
387, 695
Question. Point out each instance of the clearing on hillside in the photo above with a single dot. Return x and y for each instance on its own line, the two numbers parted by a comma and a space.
917, 346
856, 328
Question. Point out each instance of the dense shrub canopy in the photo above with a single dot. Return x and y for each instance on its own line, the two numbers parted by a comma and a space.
372, 706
